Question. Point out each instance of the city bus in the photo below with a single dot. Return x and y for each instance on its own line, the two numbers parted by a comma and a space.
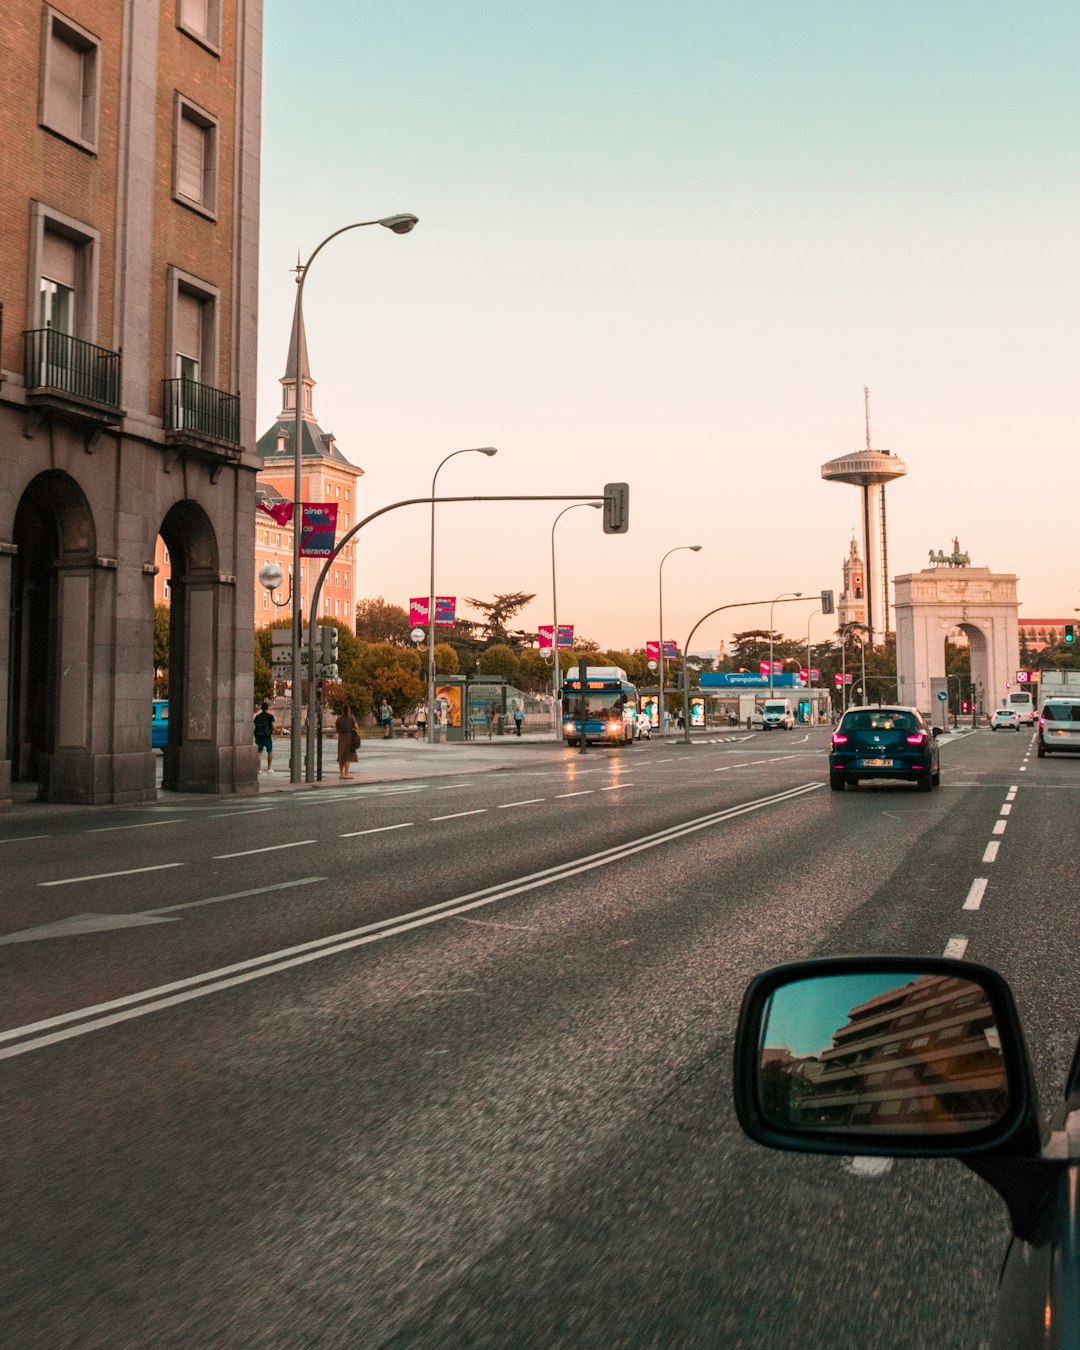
606, 707
1023, 702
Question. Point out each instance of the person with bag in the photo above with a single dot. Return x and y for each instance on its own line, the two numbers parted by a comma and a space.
264, 734
348, 740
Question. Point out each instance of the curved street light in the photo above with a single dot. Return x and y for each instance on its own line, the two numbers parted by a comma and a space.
784, 595
488, 450
401, 223
689, 548
596, 506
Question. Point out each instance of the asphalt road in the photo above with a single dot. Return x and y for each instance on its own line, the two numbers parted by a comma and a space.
446, 1062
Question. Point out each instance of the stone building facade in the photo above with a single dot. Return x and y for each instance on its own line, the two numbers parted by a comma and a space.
128, 279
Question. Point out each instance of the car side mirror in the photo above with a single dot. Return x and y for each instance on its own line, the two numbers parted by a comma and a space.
935, 732
883, 1055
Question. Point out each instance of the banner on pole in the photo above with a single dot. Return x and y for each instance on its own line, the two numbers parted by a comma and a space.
566, 636
418, 611
445, 607
317, 529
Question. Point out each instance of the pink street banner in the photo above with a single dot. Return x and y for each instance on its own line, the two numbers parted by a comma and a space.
652, 650
280, 511
566, 636
318, 529
445, 608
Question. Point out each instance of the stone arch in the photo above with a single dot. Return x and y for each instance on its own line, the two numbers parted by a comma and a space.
982, 604
53, 614
190, 761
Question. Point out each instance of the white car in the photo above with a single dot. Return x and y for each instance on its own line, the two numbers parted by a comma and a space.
1005, 717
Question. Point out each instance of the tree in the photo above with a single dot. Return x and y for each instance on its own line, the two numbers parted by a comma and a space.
446, 659
373, 671
499, 659
376, 621
497, 614
162, 622
534, 670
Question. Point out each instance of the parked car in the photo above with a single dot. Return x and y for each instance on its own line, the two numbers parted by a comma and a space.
1059, 726
776, 713
885, 742
1005, 717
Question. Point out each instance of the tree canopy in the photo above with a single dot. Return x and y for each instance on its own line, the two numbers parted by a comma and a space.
496, 615
377, 621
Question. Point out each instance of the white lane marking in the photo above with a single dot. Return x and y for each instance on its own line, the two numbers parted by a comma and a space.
227, 977
451, 787
999, 826
955, 948
976, 893
252, 811
861, 1166
1006, 810
587, 792
269, 848
378, 829
1014, 789
458, 814
991, 851
237, 895
494, 923
529, 801
616, 786
724, 768
143, 825
103, 876
22, 838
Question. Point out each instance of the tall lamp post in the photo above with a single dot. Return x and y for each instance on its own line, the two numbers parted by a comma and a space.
555, 606
784, 595
470, 450
680, 548
399, 224
809, 681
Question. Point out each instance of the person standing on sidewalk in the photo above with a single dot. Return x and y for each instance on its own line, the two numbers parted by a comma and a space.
386, 719
348, 738
264, 734
519, 717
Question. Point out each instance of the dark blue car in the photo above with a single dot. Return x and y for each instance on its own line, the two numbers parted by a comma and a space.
884, 742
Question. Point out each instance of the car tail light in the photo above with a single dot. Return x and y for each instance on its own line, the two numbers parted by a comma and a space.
839, 738
918, 739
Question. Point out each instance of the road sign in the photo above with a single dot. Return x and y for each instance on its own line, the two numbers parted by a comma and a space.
943, 697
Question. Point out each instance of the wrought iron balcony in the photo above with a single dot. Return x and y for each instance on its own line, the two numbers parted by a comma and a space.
71, 374
197, 411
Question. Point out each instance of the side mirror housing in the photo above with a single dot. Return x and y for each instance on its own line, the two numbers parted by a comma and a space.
935, 732
899, 1056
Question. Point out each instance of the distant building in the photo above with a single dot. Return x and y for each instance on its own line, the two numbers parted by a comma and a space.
1038, 634
851, 607
128, 285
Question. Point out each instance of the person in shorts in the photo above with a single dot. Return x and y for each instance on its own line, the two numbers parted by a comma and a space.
264, 734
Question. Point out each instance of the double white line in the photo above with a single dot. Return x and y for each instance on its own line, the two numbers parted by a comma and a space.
66, 1026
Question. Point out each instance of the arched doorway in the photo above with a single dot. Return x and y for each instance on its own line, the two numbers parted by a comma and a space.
53, 601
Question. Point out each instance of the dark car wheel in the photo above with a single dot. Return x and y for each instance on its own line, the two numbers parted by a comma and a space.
935, 778
836, 782
1043, 752
925, 783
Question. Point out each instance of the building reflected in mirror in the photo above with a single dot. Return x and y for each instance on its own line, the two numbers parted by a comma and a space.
921, 1057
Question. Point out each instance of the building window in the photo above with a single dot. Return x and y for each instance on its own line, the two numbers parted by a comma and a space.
266, 599
201, 20
346, 578
69, 81
192, 320
195, 158
346, 494
346, 520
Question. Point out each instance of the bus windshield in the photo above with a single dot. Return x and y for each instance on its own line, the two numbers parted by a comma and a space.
595, 703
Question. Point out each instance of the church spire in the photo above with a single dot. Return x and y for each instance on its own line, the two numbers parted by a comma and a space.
297, 358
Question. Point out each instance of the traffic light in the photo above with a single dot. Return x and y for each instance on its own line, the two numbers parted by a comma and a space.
328, 651
1070, 632
616, 508
826, 602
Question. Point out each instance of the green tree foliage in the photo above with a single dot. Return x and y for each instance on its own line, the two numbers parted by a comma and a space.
373, 671
446, 659
497, 614
535, 672
499, 659
162, 621
377, 621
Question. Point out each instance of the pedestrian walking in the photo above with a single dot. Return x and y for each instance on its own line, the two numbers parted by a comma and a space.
348, 740
264, 734
421, 723
519, 717
386, 718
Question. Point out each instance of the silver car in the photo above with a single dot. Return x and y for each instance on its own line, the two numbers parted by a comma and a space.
1059, 726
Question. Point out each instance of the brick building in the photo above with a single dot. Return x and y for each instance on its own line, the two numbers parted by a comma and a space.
128, 280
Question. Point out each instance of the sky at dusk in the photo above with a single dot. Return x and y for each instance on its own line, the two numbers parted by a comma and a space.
669, 244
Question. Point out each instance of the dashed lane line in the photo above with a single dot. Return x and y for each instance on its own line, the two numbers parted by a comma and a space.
999, 826
585, 792
103, 876
269, 848
991, 851
377, 829
955, 948
142, 825
456, 815
975, 894
529, 801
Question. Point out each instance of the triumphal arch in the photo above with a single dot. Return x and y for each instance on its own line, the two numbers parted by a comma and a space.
951, 594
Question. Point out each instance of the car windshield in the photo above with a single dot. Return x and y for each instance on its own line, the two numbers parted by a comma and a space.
1062, 712
882, 719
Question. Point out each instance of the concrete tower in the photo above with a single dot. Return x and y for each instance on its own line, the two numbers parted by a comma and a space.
870, 470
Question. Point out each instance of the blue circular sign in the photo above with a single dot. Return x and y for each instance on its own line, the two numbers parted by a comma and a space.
942, 695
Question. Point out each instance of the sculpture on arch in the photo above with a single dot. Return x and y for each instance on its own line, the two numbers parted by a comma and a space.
953, 559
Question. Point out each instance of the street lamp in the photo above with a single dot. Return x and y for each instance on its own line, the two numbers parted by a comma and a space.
398, 224
809, 681
784, 595
555, 608
471, 450
690, 548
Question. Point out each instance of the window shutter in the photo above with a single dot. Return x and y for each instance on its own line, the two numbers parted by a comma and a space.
196, 16
190, 150
66, 69
58, 259
187, 326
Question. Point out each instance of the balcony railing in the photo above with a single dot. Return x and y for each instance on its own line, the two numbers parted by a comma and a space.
201, 410
57, 363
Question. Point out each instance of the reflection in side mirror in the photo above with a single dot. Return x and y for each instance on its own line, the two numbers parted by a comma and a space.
892, 1053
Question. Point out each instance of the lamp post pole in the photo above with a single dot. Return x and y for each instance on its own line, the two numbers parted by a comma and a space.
809, 680
470, 450
679, 548
399, 224
795, 595
555, 608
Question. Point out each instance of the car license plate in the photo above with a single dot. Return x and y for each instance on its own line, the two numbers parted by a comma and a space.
877, 763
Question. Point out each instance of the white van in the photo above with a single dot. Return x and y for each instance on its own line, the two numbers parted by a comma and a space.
775, 712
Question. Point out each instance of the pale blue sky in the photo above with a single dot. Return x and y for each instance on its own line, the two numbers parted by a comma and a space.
669, 244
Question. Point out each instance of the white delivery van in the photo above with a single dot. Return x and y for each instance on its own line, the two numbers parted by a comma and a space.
776, 712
